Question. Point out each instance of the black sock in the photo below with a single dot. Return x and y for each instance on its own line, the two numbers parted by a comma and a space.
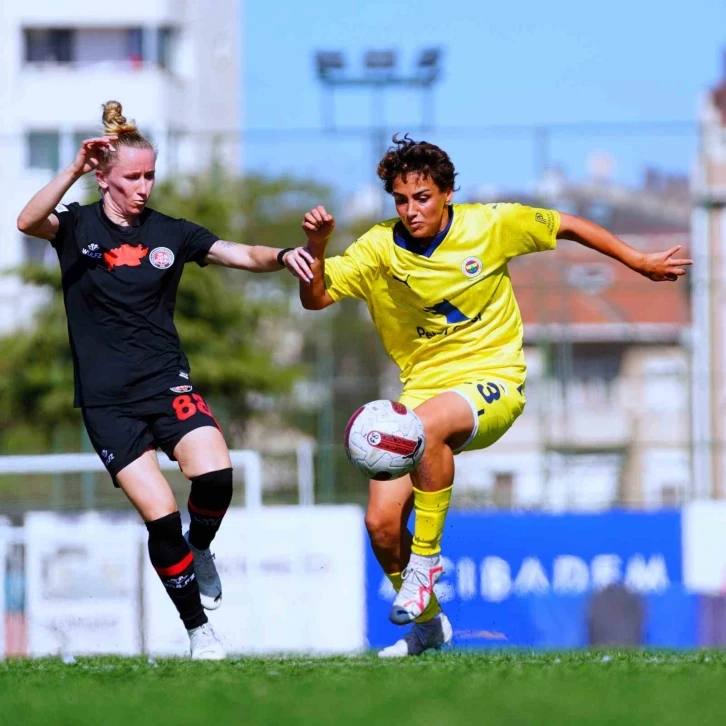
208, 501
173, 561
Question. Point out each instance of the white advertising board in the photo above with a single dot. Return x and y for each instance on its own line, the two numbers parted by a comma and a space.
704, 547
83, 580
293, 581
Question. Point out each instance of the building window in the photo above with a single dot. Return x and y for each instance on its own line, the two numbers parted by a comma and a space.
49, 45
166, 40
135, 45
107, 47
118, 47
43, 150
588, 362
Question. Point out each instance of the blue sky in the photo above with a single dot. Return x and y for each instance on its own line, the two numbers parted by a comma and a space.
518, 64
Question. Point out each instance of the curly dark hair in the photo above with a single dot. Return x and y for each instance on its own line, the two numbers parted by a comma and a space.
407, 156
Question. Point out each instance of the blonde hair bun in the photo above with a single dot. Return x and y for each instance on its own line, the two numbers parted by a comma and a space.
115, 123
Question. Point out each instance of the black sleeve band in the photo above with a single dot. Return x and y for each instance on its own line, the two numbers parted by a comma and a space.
281, 254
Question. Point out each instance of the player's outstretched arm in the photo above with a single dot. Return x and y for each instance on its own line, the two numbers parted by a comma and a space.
318, 226
37, 218
657, 266
257, 258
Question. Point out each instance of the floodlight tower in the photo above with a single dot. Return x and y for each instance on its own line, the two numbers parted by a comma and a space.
379, 74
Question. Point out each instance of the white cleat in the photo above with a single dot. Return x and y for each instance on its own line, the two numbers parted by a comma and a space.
417, 587
204, 645
436, 633
210, 586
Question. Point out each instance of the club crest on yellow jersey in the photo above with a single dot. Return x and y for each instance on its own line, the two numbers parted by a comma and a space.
472, 267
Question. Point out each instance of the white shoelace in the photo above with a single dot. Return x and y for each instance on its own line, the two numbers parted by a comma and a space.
419, 578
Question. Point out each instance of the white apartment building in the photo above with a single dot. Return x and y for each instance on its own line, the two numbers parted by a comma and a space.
175, 65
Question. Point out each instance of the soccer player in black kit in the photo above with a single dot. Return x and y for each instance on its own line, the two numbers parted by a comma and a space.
121, 263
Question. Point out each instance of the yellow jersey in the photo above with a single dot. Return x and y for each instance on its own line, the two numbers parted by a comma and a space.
446, 314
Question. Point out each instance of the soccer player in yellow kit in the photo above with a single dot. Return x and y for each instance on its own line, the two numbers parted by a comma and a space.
436, 283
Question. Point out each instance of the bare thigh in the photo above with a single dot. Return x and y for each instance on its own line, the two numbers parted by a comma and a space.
201, 451
146, 488
447, 419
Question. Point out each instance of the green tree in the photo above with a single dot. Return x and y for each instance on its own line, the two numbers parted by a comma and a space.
36, 376
255, 209
221, 316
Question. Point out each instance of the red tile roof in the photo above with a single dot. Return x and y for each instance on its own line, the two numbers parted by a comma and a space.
580, 290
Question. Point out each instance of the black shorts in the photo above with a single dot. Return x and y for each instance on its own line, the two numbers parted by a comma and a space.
121, 434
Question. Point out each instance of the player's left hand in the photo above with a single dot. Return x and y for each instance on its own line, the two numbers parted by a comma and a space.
298, 262
663, 266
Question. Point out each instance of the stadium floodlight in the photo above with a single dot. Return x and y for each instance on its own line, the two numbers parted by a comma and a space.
428, 64
429, 58
380, 60
328, 62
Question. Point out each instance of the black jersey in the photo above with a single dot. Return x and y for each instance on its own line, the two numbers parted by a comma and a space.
119, 288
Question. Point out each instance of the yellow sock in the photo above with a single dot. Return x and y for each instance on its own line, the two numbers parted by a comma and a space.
432, 609
431, 509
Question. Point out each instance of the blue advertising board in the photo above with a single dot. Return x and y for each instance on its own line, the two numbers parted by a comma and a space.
528, 579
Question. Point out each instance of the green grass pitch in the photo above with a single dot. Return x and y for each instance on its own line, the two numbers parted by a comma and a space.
455, 687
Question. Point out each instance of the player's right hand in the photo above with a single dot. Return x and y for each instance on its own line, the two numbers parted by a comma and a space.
91, 153
318, 225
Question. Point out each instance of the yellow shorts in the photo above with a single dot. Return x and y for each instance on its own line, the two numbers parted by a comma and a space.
495, 402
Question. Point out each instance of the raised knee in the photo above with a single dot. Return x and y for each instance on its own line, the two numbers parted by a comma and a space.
382, 527
217, 480
167, 529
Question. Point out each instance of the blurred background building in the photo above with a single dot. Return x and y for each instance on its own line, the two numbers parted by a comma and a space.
175, 66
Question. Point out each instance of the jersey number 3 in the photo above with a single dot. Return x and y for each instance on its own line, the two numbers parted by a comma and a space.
489, 394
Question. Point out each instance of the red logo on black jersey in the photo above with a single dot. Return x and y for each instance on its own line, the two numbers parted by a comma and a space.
125, 255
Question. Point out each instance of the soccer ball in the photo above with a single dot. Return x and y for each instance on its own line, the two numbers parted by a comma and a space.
384, 440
